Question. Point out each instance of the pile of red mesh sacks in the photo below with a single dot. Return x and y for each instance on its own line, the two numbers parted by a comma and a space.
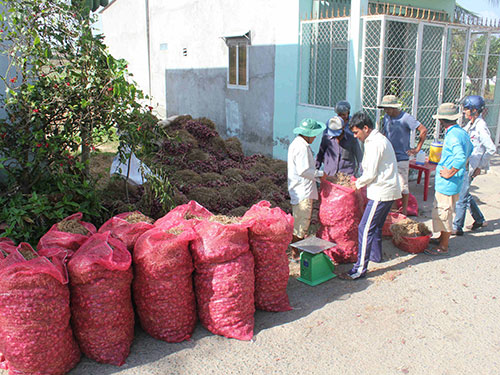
340, 212
237, 264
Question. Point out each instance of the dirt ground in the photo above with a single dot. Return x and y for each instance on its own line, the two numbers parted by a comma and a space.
412, 314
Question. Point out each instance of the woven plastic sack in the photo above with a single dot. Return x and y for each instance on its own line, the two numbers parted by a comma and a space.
127, 232
163, 284
392, 218
412, 209
101, 304
185, 214
55, 238
340, 212
270, 233
224, 279
35, 331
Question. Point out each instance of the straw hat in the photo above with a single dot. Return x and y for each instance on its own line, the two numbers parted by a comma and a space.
448, 111
390, 101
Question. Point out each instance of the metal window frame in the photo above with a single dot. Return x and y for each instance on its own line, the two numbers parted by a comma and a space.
301, 67
237, 43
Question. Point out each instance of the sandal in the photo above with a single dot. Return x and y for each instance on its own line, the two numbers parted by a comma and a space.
435, 241
436, 251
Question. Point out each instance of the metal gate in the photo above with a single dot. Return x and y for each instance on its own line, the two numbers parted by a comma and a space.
424, 63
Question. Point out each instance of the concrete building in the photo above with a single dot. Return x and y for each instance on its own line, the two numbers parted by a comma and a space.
257, 68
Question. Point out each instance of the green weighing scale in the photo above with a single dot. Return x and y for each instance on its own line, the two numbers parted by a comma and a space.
315, 266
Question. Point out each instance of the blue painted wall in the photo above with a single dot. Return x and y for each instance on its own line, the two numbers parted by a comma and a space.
287, 111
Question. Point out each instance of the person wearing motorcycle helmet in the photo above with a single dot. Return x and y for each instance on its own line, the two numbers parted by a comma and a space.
483, 150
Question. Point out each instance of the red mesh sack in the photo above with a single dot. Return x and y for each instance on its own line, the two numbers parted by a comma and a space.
340, 212
163, 284
71, 241
413, 245
3, 362
35, 331
412, 205
270, 233
127, 232
346, 249
101, 305
7, 246
339, 204
224, 279
392, 218
181, 214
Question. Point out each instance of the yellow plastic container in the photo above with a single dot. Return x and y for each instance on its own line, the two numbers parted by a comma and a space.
435, 152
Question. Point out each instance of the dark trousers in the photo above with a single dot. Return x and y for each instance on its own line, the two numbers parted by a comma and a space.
370, 236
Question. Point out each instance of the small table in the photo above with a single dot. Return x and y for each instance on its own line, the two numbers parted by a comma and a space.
427, 168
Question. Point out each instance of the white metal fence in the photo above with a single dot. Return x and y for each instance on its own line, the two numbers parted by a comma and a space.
424, 63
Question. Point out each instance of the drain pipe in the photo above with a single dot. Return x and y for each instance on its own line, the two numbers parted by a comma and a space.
148, 40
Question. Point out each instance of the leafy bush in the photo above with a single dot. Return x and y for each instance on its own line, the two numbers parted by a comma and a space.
64, 94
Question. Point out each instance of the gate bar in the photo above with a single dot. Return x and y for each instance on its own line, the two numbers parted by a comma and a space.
442, 76
466, 64
416, 79
380, 70
485, 67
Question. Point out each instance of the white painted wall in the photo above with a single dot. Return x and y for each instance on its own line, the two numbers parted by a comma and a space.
123, 24
197, 83
198, 25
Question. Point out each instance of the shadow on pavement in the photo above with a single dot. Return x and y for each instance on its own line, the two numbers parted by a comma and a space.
144, 350
458, 246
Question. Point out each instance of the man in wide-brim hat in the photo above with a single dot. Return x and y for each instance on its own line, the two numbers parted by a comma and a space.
302, 177
450, 172
398, 126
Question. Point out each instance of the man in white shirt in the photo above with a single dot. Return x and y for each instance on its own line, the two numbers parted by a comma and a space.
380, 176
483, 150
302, 177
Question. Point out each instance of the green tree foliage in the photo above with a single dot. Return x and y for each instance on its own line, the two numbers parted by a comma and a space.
476, 64
64, 94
